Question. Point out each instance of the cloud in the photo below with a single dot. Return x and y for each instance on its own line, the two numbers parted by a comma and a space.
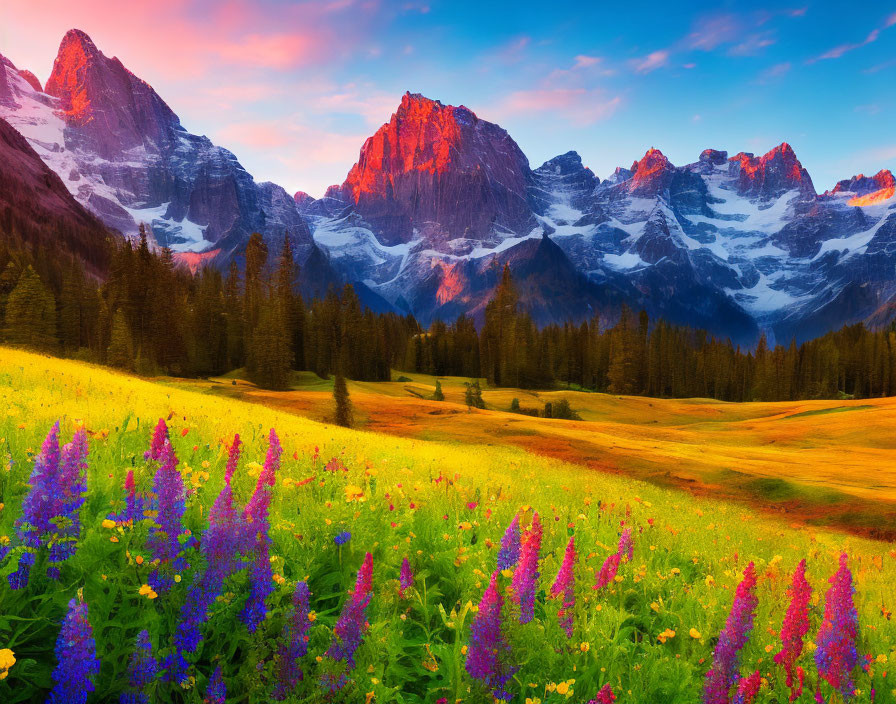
774, 72
752, 45
711, 32
651, 62
842, 49
578, 106
583, 61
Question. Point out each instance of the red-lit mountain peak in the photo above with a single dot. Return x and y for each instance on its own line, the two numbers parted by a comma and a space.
114, 109
69, 79
651, 174
867, 190
429, 158
772, 174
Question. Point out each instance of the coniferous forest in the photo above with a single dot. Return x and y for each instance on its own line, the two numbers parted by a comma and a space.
151, 316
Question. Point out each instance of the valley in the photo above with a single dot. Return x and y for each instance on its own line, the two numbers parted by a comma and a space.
824, 463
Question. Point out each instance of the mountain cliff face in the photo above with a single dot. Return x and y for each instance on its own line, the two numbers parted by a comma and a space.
123, 153
439, 200
36, 205
439, 173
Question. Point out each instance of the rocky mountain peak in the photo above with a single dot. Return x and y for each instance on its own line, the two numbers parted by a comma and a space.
31, 79
652, 174
111, 109
772, 174
428, 158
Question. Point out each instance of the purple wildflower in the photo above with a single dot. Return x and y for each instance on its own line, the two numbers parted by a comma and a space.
509, 554
256, 517
165, 532
76, 658
604, 696
564, 585
726, 658
352, 623
626, 545
525, 577
836, 656
133, 504
142, 670
488, 656
157, 444
51, 510
70, 490
342, 538
796, 625
295, 644
748, 688
217, 690
608, 571
221, 548
405, 578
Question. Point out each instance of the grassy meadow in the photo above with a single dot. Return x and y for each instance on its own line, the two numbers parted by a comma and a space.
438, 486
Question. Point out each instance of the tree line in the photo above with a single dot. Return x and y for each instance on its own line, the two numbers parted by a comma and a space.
150, 316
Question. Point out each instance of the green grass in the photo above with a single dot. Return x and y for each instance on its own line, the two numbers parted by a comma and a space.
444, 506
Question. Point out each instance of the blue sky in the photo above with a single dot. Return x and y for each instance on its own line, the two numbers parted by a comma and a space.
294, 88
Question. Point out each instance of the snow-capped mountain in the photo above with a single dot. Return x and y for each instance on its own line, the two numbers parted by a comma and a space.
440, 200
123, 153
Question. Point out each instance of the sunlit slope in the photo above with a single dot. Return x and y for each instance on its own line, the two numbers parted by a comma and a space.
446, 500
829, 462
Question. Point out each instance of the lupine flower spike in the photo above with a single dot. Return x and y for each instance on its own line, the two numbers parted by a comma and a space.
564, 585
255, 515
76, 658
157, 444
70, 491
164, 534
51, 510
488, 656
608, 570
133, 504
525, 577
405, 578
142, 670
748, 688
221, 547
836, 655
352, 623
295, 644
604, 696
509, 554
217, 690
796, 625
726, 658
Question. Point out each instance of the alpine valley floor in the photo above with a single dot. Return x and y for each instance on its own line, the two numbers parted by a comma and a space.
440, 501
820, 462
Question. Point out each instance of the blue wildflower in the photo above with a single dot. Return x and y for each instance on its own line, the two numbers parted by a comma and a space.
76, 657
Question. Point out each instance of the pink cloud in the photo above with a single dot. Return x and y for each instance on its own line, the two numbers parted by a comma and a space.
583, 61
752, 45
711, 32
258, 135
579, 106
774, 72
891, 20
651, 62
840, 50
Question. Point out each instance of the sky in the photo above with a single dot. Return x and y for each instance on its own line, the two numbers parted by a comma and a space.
294, 88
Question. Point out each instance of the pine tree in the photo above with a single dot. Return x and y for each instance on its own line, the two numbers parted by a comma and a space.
438, 395
30, 317
120, 352
344, 414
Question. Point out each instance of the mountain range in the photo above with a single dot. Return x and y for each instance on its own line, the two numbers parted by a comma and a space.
440, 200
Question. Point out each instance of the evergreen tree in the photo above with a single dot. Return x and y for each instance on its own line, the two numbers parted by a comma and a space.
30, 315
120, 352
344, 414
438, 395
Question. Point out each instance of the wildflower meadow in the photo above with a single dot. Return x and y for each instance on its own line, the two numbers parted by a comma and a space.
161, 545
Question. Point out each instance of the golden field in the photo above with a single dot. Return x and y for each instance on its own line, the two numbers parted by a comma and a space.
825, 462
